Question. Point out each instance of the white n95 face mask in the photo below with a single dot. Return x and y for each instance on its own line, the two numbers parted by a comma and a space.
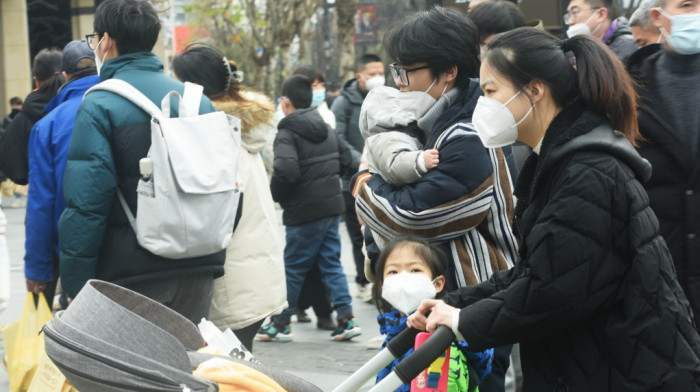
405, 291
581, 28
374, 82
494, 123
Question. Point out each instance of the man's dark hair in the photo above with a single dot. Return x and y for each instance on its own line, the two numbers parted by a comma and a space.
440, 37
495, 17
297, 88
133, 24
310, 72
15, 101
608, 4
366, 59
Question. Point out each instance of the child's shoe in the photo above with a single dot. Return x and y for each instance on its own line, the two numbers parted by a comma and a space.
346, 330
276, 332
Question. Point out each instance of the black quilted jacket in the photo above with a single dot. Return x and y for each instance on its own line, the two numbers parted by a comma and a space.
309, 159
593, 299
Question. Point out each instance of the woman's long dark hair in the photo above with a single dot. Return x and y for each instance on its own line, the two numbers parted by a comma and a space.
206, 66
47, 69
598, 77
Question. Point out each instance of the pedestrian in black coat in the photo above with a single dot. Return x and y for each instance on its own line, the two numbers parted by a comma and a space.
669, 121
593, 299
14, 141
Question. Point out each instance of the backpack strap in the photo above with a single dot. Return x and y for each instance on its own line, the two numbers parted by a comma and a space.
129, 92
189, 101
129, 215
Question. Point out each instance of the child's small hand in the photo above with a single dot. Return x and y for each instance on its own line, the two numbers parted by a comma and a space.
431, 157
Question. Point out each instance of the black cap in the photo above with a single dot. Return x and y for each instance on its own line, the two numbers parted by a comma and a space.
74, 52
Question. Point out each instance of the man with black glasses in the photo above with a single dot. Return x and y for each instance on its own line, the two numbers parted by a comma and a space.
110, 136
595, 18
465, 203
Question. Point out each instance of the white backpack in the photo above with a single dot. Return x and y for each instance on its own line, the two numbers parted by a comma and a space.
187, 195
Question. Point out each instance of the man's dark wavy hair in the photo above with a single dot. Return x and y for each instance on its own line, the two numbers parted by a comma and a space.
133, 24
440, 37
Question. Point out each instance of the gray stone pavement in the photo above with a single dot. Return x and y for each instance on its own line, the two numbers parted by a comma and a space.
312, 355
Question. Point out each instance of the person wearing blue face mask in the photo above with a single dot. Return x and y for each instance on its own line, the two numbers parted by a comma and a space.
318, 93
669, 121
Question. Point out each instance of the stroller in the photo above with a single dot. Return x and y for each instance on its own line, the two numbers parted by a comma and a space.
112, 339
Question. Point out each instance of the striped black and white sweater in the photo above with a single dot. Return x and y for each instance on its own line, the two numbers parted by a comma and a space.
465, 204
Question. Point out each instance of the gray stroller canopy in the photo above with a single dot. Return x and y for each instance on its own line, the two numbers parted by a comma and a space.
112, 339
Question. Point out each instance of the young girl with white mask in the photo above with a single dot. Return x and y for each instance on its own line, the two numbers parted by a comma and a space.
410, 270
593, 298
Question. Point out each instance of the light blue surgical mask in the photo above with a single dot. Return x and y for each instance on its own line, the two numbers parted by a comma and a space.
317, 97
685, 32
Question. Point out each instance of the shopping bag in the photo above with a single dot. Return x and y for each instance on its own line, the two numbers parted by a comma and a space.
4, 267
24, 345
48, 378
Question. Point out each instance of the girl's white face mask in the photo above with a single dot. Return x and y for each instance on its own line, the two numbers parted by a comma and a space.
405, 291
494, 122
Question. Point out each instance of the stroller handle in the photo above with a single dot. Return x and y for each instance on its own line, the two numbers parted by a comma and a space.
401, 343
396, 348
421, 358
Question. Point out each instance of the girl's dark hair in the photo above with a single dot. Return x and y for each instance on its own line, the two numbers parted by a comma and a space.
433, 256
206, 66
47, 69
599, 79
441, 37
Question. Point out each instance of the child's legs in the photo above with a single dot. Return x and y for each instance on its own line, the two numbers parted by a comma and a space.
303, 243
332, 273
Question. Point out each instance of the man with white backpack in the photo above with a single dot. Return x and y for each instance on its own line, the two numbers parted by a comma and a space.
128, 158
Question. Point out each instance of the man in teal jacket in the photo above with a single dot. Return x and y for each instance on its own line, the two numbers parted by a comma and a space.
110, 136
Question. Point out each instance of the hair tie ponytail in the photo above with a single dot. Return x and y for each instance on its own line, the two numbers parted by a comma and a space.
565, 45
230, 73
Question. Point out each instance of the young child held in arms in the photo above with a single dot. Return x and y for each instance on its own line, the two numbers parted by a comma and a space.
392, 123
410, 270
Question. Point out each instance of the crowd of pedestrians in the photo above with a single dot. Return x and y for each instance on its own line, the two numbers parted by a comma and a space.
537, 195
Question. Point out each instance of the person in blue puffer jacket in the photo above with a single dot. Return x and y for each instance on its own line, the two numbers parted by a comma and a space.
48, 151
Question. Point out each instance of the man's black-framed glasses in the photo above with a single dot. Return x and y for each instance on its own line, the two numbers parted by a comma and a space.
402, 73
90, 39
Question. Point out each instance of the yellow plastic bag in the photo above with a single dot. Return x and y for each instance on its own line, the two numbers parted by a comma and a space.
23, 343
48, 378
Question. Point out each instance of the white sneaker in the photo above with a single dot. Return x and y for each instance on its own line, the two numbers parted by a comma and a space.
376, 342
364, 292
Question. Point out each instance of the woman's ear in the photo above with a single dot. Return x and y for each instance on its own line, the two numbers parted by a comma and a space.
439, 283
537, 90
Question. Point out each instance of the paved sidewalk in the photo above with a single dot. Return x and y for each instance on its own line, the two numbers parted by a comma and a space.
312, 355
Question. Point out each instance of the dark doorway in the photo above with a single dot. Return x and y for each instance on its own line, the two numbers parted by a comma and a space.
49, 24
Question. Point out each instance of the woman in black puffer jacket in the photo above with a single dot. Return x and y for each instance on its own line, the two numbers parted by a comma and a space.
593, 299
